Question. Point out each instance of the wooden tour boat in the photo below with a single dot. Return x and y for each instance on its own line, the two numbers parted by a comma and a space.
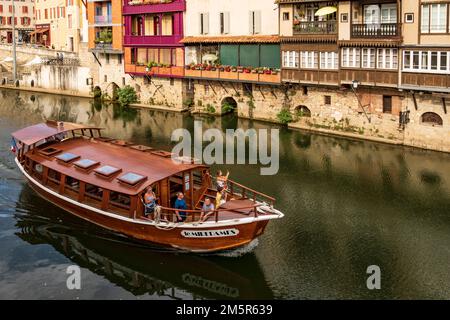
103, 180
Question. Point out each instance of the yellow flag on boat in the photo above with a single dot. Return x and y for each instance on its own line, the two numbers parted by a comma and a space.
325, 11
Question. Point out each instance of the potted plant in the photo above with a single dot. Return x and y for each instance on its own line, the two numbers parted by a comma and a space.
247, 70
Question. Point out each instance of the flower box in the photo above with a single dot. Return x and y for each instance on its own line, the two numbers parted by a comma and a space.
229, 75
248, 76
164, 70
193, 73
177, 71
210, 74
271, 78
140, 69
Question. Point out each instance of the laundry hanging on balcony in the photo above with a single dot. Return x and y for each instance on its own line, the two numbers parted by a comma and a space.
325, 11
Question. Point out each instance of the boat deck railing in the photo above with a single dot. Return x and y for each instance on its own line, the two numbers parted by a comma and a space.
238, 190
219, 214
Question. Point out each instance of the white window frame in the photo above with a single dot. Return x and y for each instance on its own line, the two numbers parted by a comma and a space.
387, 59
368, 58
291, 59
309, 60
329, 60
428, 22
427, 66
351, 57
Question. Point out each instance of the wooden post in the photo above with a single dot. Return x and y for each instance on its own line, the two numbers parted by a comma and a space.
133, 206
216, 213
105, 200
81, 191
62, 182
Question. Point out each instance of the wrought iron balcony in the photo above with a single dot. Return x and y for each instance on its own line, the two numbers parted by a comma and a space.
378, 30
315, 27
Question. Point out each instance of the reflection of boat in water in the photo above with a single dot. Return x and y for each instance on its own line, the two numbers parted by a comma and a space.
141, 269
103, 181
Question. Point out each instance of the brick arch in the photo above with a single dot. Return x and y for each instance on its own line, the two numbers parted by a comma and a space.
303, 110
227, 103
431, 118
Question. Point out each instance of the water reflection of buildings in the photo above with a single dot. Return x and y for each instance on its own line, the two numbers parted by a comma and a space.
139, 269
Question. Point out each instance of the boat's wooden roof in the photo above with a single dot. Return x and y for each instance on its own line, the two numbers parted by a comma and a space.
154, 167
38, 132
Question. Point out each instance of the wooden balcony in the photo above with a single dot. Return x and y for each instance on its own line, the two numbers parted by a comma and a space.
388, 78
234, 76
378, 31
163, 72
424, 80
325, 77
372, 77
315, 27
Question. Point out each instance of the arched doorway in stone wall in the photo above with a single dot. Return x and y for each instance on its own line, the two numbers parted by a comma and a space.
229, 110
302, 111
228, 105
432, 119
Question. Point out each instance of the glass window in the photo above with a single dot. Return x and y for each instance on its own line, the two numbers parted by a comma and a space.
309, 60
141, 55
165, 56
368, 60
434, 18
351, 57
443, 61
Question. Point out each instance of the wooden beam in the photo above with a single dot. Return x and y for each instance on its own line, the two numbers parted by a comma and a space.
105, 199
212, 88
415, 101
444, 105
260, 91
223, 87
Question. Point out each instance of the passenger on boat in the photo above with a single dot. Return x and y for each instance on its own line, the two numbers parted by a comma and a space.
219, 200
180, 203
221, 186
150, 201
207, 210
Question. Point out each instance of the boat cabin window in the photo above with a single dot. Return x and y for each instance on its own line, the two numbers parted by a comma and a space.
54, 176
72, 183
93, 192
38, 169
119, 200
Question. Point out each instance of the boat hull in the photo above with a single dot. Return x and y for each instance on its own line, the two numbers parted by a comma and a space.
207, 237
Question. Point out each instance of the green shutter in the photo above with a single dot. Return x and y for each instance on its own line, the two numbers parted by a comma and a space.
229, 55
270, 55
249, 55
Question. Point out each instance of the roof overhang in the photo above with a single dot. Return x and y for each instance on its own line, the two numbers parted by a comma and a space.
41, 131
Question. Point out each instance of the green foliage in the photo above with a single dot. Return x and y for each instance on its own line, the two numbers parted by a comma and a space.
285, 116
251, 104
227, 108
210, 108
104, 36
126, 95
188, 103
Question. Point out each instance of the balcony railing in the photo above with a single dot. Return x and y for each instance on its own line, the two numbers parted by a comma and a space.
379, 30
315, 27
103, 19
173, 40
234, 76
171, 72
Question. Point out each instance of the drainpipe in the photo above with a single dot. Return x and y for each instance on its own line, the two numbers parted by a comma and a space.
14, 42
